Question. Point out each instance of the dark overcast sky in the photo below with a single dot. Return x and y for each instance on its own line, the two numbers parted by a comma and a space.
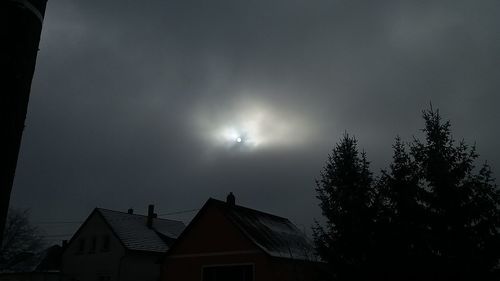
126, 95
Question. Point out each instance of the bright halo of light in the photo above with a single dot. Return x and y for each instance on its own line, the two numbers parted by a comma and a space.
248, 125
255, 129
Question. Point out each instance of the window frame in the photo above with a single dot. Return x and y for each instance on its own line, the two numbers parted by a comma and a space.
104, 277
203, 267
106, 243
93, 245
81, 246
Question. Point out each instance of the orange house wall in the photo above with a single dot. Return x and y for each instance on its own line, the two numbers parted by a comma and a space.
212, 240
212, 233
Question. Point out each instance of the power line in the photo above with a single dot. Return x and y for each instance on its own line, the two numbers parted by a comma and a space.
75, 222
53, 239
179, 212
57, 222
57, 235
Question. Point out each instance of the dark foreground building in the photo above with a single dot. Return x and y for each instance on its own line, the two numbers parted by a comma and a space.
227, 242
21, 24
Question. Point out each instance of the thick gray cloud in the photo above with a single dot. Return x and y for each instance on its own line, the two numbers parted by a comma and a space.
120, 87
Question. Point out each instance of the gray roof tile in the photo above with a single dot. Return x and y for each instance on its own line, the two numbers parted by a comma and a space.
132, 230
277, 236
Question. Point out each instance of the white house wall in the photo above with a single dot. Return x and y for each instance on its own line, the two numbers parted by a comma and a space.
87, 266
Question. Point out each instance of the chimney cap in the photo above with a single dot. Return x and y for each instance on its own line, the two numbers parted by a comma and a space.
230, 199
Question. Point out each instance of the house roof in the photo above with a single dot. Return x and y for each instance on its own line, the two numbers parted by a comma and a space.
276, 236
133, 232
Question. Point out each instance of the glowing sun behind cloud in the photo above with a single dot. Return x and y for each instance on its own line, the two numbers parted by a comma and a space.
250, 125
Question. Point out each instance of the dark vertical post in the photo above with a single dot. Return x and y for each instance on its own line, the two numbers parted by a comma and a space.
151, 215
231, 199
21, 25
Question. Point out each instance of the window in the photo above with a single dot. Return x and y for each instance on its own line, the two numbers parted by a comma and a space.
93, 244
228, 273
105, 243
81, 245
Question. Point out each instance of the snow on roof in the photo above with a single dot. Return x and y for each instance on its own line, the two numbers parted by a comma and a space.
134, 233
277, 236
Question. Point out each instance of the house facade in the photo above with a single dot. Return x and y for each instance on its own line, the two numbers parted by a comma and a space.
227, 242
118, 246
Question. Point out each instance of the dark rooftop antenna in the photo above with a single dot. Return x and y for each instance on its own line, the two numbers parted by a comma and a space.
151, 215
230, 199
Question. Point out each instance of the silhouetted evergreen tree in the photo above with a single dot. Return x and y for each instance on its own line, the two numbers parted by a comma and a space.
21, 241
431, 216
463, 205
345, 194
400, 244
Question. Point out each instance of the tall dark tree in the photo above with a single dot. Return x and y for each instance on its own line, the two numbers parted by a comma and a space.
344, 190
21, 240
401, 250
463, 205
433, 215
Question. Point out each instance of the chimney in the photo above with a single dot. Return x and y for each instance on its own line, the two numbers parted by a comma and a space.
64, 244
130, 211
230, 199
151, 215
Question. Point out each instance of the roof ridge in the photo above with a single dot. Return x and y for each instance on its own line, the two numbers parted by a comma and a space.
125, 213
251, 210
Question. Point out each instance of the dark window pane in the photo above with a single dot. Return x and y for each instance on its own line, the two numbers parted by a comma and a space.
81, 245
93, 244
105, 243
